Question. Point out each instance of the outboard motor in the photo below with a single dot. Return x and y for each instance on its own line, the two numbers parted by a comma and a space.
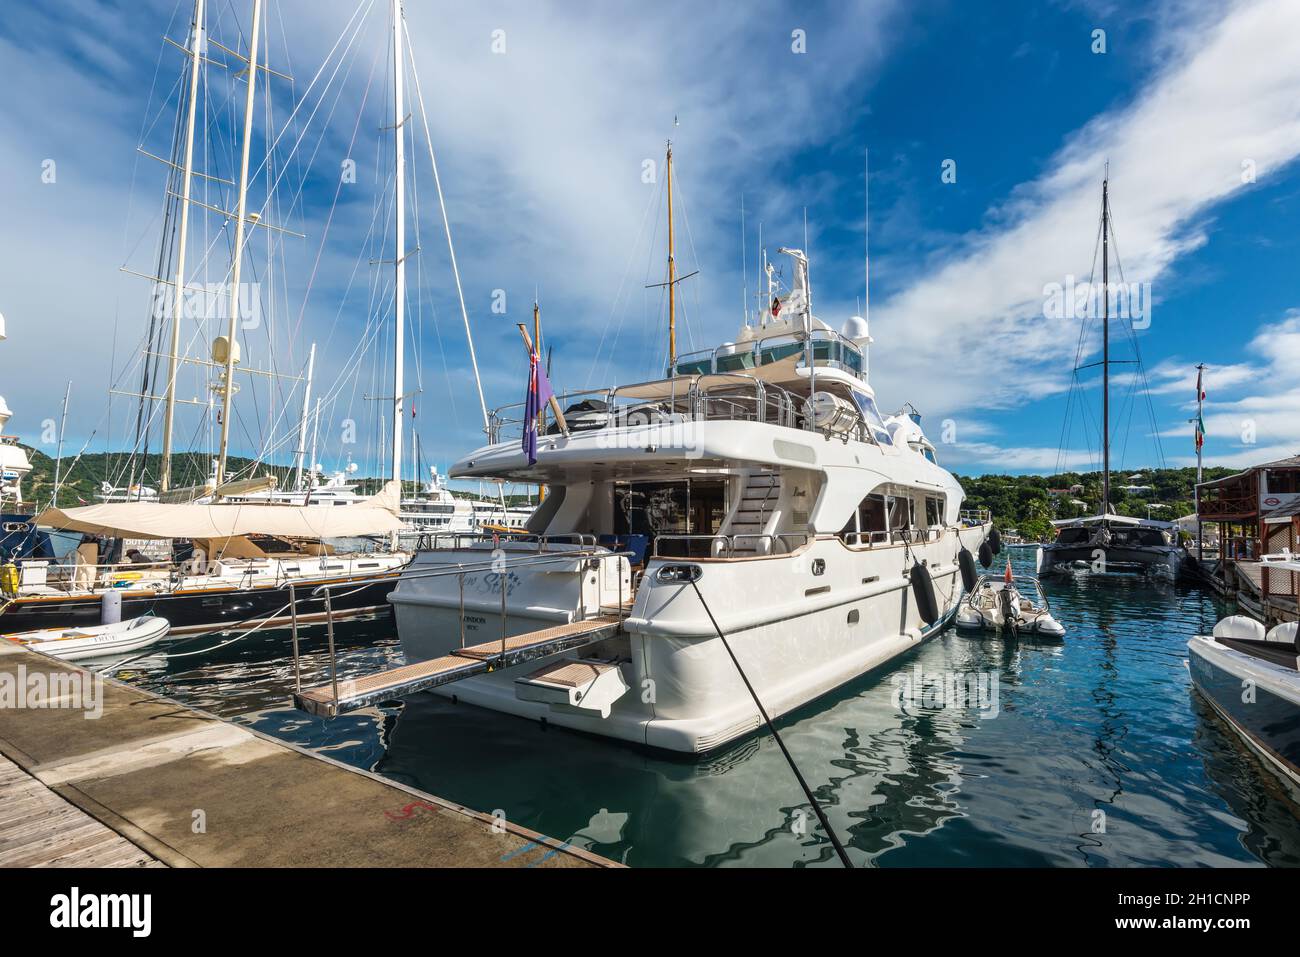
1010, 613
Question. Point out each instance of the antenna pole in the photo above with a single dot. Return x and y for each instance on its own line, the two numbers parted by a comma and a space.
241, 221
672, 273
178, 290
399, 251
1105, 345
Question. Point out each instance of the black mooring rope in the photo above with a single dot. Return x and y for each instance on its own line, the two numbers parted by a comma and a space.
817, 808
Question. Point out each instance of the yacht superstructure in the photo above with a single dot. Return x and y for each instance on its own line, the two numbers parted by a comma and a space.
755, 489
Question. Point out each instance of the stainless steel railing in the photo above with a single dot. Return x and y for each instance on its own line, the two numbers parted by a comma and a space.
497, 564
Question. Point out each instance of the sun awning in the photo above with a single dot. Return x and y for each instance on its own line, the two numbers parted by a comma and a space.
373, 516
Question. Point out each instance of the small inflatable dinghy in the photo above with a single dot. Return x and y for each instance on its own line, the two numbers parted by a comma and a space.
1002, 606
73, 644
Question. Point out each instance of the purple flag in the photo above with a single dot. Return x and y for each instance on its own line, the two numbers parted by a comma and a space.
539, 393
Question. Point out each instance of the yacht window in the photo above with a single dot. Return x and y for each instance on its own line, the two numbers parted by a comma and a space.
933, 511
867, 406
698, 367
736, 361
784, 351
871, 514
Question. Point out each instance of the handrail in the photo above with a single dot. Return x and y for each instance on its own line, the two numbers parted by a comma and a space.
729, 541
460, 570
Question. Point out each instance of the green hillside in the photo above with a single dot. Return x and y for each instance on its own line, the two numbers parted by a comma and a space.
1023, 502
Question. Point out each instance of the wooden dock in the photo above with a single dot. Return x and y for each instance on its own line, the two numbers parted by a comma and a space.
104, 773
40, 829
462, 663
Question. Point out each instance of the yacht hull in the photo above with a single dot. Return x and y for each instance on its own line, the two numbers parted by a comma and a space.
1259, 699
201, 609
801, 625
1154, 562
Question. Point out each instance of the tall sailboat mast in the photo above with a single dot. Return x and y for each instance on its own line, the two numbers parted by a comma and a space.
1105, 346
178, 289
399, 245
241, 221
672, 272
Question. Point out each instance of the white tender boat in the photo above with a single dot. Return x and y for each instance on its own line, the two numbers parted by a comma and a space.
1002, 606
73, 644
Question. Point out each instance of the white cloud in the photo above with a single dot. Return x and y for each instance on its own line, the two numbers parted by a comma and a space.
1230, 94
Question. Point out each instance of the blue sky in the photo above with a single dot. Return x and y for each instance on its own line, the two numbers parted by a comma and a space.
541, 148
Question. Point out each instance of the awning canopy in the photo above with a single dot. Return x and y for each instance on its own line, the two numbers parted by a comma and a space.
374, 516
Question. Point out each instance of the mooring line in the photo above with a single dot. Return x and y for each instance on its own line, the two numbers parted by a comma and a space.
817, 808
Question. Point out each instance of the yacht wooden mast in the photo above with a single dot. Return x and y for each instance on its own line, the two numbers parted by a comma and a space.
241, 221
178, 289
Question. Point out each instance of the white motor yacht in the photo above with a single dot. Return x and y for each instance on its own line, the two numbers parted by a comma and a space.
755, 491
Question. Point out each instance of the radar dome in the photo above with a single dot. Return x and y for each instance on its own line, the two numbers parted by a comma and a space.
855, 328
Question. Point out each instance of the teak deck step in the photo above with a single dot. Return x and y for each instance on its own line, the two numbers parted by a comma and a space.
363, 692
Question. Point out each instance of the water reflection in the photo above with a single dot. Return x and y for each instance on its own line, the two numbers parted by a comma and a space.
1095, 752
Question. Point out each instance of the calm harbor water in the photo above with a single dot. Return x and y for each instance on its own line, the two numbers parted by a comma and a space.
1093, 752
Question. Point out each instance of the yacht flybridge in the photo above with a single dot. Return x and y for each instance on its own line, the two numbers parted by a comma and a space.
756, 489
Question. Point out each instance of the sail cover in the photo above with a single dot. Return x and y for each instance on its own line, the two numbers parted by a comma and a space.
376, 515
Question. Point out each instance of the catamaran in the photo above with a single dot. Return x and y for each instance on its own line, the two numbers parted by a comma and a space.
754, 492
1108, 543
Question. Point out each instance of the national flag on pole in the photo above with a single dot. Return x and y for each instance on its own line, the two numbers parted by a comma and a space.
1007, 577
1200, 422
539, 393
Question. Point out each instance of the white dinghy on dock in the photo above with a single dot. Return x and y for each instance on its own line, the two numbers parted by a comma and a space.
74, 644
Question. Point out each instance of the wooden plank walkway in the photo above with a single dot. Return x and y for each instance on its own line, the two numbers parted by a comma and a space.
461, 663
121, 776
40, 829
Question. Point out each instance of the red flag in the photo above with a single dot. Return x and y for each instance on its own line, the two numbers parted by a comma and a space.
776, 307
1007, 576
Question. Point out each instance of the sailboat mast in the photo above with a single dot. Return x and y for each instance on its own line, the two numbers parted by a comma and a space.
399, 245
1105, 346
672, 273
228, 390
178, 289
302, 422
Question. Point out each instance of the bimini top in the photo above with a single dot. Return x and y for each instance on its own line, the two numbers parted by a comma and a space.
373, 516
1113, 520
